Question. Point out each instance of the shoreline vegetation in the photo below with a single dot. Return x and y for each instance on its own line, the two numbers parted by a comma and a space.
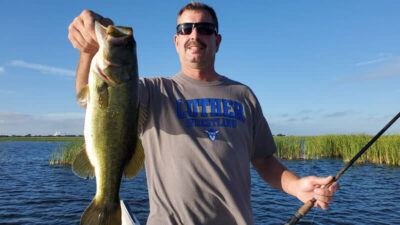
385, 151
49, 138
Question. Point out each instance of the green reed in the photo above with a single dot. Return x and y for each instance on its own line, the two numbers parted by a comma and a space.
288, 147
65, 153
386, 150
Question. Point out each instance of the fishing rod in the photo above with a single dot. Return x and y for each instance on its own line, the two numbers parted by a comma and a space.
309, 204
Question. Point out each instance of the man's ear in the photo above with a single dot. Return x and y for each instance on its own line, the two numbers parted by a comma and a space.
218, 40
176, 42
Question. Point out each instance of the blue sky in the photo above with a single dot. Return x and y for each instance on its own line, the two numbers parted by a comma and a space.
317, 67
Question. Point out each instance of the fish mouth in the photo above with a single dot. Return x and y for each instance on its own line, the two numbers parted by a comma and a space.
119, 31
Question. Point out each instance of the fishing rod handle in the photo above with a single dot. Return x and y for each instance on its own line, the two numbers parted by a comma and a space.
301, 212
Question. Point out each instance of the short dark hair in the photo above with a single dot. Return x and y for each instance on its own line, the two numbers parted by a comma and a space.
200, 6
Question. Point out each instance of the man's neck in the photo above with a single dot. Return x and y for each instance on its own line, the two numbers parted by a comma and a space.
201, 74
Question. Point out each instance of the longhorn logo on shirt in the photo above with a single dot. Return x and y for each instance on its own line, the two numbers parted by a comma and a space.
212, 134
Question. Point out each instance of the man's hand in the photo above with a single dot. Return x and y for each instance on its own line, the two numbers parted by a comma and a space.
82, 34
313, 187
83, 37
306, 188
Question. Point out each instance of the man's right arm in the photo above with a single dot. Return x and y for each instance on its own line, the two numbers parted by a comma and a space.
83, 37
82, 71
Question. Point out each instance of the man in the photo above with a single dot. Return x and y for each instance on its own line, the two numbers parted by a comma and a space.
202, 132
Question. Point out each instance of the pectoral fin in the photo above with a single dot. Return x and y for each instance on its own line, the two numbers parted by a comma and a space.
82, 166
83, 96
135, 164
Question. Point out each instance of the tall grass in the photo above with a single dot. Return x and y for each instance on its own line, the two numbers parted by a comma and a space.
288, 147
386, 150
65, 153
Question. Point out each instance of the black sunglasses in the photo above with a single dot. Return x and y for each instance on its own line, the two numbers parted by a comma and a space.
202, 28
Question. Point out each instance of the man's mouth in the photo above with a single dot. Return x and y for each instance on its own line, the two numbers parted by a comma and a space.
195, 47
195, 44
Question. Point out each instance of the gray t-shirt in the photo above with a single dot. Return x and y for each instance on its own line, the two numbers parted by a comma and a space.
199, 139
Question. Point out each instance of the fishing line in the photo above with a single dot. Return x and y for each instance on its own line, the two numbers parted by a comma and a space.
313, 218
303, 147
3, 157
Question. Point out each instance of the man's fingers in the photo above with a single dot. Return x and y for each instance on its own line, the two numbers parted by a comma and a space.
334, 187
313, 186
88, 18
88, 22
323, 195
82, 31
75, 36
79, 42
321, 205
324, 180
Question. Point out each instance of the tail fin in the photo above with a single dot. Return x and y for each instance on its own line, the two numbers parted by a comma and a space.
102, 214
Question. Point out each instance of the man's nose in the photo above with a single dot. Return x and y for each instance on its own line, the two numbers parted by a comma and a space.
194, 33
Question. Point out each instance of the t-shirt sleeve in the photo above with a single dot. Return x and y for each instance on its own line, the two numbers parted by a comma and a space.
144, 92
263, 141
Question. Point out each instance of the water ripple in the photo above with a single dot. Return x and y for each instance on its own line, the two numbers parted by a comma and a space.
32, 192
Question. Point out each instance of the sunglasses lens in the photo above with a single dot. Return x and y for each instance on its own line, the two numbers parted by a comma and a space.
202, 28
185, 28
205, 28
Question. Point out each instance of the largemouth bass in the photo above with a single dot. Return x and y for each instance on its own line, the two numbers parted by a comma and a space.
111, 123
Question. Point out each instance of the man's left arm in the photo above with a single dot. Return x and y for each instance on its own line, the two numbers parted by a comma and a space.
278, 176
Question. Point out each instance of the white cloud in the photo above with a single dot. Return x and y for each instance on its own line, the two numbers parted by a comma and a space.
382, 58
41, 124
336, 114
334, 123
43, 68
387, 71
61, 116
1, 69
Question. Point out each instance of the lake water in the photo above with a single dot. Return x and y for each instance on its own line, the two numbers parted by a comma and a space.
32, 192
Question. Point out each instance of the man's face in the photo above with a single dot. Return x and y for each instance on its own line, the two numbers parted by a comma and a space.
196, 50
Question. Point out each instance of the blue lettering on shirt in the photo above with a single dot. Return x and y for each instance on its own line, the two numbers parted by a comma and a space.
203, 103
181, 113
210, 114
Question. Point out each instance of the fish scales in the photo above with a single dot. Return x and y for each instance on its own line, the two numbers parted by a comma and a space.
112, 145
